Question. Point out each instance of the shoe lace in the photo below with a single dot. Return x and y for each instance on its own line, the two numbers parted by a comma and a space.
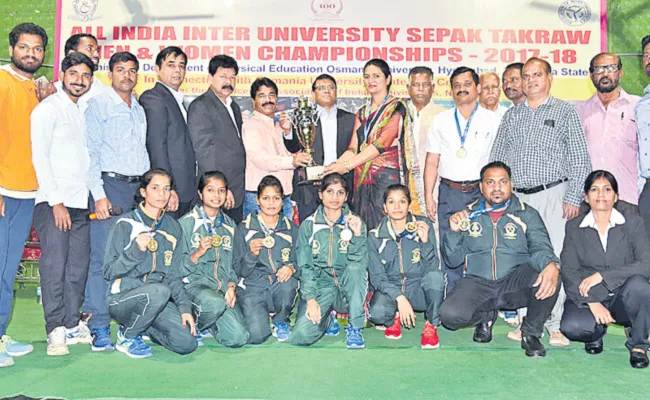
354, 334
282, 327
5, 340
3, 347
429, 330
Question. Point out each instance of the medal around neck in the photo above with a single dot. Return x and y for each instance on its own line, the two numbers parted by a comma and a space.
464, 224
152, 246
461, 152
268, 242
217, 241
346, 234
411, 227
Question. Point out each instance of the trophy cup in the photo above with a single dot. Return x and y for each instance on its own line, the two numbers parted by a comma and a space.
304, 120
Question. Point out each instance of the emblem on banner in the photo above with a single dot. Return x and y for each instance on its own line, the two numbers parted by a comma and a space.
84, 10
510, 231
475, 230
327, 9
574, 12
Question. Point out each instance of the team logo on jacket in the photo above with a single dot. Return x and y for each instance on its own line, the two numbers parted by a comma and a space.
510, 231
475, 230
196, 240
315, 247
285, 254
227, 242
168, 258
415, 256
343, 246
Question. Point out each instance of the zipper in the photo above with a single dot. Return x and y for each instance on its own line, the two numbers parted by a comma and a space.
494, 248
216, 269
401, 266
272, 266
329, 258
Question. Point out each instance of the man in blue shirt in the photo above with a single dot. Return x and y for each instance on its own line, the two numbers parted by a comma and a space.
642, 118
116, 131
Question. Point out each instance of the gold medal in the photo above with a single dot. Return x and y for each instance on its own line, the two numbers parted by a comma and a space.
411, 227
269, 242
464, 224
461, 152
152, 246
216, 241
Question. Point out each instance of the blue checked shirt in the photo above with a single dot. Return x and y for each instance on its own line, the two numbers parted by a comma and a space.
116, 138
543, 146
642, 117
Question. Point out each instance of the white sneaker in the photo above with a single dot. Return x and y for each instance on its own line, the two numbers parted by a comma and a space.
5, 359
56, 342
78, 334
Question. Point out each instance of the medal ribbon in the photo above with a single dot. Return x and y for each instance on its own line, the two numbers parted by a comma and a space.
154, 227
209, 226
463, 135
482, 210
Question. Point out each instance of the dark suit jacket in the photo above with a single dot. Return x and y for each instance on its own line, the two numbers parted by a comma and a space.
168, 140
217, 143
344, 126
627, 254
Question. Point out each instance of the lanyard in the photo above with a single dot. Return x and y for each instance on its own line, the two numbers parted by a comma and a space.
482, 210
463, 135
340, 221
267, 231
156, 223
366, 127
210, 226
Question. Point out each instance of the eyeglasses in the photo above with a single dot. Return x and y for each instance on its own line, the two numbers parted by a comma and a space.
602, 68
325, 88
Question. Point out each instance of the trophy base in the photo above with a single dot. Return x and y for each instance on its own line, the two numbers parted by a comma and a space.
308, 175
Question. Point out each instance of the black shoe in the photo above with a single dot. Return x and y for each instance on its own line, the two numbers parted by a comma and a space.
483, 331
594, 347
638, 360
534, 348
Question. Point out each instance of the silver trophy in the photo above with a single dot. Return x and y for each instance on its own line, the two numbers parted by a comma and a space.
304, 120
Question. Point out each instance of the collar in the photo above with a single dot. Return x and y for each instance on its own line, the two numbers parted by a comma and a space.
328, 115
616, 218
263, 118
251, 222
647, 89
385, 228
547, 101
117, 100
7, 67
623, 96
319, 215
64, 98
177, 94
226, 103
516, 204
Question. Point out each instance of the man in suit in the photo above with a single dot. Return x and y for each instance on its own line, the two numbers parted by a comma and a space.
215, 123
168, 138
333, 134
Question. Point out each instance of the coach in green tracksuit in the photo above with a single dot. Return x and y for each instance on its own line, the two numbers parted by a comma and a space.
333, 258
403, 270
142, 264
265, 263
208, 273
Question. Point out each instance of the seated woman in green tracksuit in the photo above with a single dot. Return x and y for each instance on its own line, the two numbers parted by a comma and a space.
332, 257
404, 270
208, 274
142, 264
265, 264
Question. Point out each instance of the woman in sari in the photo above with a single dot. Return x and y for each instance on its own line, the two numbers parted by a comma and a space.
381, 151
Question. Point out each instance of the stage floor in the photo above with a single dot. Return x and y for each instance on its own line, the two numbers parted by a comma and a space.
460, 369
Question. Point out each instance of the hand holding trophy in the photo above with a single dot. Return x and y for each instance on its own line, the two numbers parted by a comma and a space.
304, 120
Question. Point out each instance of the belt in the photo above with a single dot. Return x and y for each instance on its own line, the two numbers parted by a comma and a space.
464, 186
120, 177
539, 188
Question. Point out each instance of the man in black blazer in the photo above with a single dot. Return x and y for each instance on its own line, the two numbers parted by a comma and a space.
333, 134
215, 122
168, 139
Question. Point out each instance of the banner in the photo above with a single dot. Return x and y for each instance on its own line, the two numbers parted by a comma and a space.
293, 41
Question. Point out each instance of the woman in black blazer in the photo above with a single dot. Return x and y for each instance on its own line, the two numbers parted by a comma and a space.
605, 270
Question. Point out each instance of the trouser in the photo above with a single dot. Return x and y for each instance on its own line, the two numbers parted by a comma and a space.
278, 298
424, 294
14, 228
644, 205
450, 201
549, 205
237, 213
120, 194
347, 296
149, 308
250, 205
183, 208
63, 266
629, 305
211, 312
476, 300
307, 209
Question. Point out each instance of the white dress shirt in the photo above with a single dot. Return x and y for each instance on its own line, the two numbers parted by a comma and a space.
590, 222
228, 104
178, 96
329, 132
59, 152
443, 139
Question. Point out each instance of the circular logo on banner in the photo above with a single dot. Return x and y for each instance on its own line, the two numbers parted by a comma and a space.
326, 9
574, 12
85, 9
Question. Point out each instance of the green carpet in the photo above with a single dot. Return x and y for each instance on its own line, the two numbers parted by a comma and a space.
460, 369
